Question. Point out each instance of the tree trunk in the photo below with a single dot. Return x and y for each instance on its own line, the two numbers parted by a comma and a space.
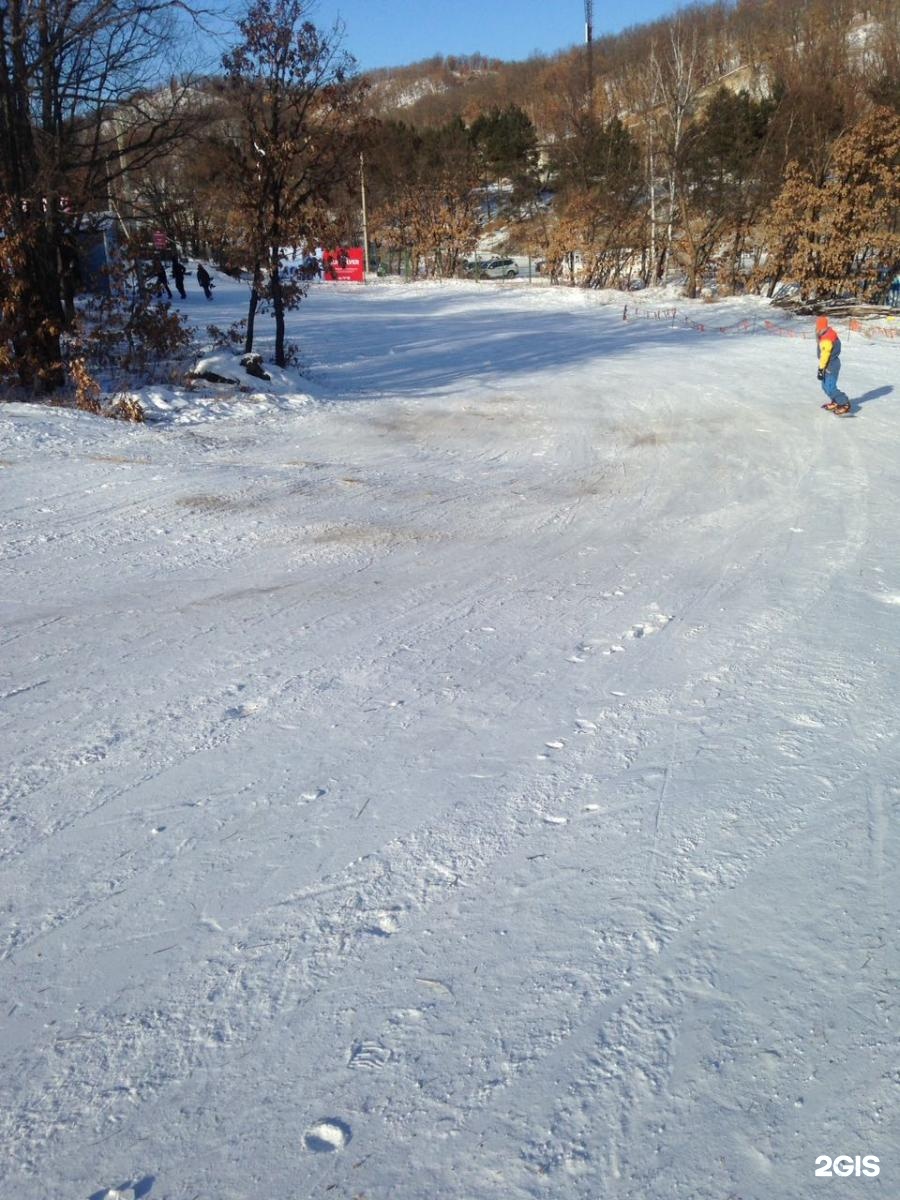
251, 312
37, 345
652, 182
277, 299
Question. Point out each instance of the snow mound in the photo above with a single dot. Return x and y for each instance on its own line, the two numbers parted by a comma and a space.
237, 394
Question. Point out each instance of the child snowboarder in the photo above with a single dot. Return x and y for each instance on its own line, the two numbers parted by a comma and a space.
828, 345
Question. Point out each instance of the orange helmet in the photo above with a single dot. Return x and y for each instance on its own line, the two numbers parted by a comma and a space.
821, 323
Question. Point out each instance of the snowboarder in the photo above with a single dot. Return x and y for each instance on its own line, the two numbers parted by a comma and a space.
828, 345
178, 274
205, 280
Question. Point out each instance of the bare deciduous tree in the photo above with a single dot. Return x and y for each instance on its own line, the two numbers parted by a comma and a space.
79, 108
290, 137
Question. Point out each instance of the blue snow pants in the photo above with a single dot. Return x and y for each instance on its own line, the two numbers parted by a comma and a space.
829, 383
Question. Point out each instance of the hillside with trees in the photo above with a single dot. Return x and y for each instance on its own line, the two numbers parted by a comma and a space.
733, 146
692, 145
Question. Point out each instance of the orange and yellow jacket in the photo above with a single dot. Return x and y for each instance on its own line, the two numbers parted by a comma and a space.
829, 346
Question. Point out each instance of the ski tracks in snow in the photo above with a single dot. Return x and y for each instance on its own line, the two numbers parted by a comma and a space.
534, 959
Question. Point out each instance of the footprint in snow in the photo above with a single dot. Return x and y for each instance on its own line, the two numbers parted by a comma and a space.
585, 647
559, 744
369, 1055
646, 628
126, 1191
327, 1135
245, 710
384, 924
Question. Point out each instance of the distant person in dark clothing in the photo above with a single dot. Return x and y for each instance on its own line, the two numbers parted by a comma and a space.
162, 279
205, 280
178, 274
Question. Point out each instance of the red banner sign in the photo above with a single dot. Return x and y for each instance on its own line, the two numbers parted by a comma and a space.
344, 263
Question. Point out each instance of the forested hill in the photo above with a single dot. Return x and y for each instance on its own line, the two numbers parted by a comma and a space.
753, 44
734, 145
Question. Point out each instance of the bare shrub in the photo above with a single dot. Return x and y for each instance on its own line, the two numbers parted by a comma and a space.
87, 389
230, 338
134, 337
126, 408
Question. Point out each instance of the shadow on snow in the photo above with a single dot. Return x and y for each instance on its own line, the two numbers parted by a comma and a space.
874, 394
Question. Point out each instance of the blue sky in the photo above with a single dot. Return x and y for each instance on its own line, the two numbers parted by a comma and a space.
392, 33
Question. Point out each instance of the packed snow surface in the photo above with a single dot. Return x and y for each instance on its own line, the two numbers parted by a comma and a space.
465, 770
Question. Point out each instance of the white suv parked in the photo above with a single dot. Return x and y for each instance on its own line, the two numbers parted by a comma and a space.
498, 268
492, 268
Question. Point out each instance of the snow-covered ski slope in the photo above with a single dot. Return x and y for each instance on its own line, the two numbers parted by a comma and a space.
475, 777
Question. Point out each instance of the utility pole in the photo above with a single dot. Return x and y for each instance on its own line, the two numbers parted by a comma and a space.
589, 43
362, 188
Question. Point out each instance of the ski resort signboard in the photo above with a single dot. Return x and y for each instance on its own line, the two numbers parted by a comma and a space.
344, 264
